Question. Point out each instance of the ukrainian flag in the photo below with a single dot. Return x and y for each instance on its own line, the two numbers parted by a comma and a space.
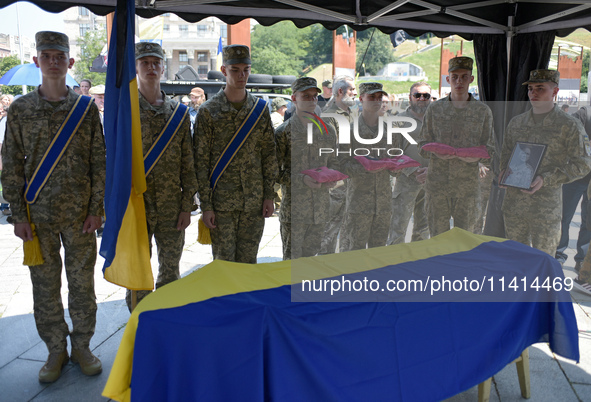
219, 55
232, 332
124, 244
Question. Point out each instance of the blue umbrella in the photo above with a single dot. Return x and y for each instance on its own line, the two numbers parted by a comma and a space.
28, 74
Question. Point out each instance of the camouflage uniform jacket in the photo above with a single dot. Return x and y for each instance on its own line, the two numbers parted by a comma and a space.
471, 126
310, 206
368, 193
565, 159
249, 178
171, 184
334, 108
409, 149
76, 187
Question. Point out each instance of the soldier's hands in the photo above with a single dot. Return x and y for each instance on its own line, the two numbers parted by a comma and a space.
310, 182
23, 231
482, 170
268, 208
91, 224
421, 175
535, 185
329, 184
184, 221
209, 219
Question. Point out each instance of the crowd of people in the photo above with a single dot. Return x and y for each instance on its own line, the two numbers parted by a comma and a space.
232, 152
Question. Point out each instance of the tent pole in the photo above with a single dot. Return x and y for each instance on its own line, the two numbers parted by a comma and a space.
510, 33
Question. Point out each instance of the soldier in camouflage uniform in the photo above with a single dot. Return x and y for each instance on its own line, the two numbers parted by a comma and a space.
171, 184
305, 203
68, 209
235, 211
408, 195
533, 216
369, 193
452, 188
341, 103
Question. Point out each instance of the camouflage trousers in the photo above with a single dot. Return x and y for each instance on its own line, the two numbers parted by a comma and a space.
169, 242
408, 199
536, 224
301, 239
440, 208
80, 257
336, 213
237, 235
361, 231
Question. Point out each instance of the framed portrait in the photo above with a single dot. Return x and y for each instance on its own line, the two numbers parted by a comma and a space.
523, 165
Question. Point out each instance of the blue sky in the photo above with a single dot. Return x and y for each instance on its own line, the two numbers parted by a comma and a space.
32, 19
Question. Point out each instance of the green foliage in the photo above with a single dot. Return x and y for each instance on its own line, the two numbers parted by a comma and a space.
380, 53
585, 72
6, 63
279, 49
91, 45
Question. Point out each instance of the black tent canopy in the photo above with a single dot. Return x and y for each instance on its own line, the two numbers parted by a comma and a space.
442, 17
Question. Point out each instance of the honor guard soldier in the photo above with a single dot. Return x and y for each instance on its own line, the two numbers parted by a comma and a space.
533, 215
54, 178
452, 189
168, 157
235, 162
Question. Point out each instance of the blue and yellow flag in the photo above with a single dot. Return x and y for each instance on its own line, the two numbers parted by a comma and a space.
125, 245
219, 55
232, 332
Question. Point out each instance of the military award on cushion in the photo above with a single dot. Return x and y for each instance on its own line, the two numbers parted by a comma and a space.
523, 165
325, 175
473, 152
439, 148
402, 161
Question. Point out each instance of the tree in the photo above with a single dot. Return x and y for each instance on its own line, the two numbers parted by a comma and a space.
91, 45
6, 63
279, 49
585, 72
379, 54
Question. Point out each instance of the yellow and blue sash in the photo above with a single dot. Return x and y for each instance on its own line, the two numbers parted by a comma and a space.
58, 146
170, 129
237, 141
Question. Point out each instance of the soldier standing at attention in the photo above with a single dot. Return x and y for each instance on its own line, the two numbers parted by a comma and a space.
408, 196
369, 193
171, 181
235, 182
452, 188
533, 216
341, 103
62, 197
305, 202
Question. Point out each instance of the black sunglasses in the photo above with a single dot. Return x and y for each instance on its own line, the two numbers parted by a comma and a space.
418, 95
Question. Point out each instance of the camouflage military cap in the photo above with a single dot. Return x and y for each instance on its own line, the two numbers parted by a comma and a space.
97, 90
301, 84
367, 88
460, 63
327, 83
236, 54
277, 103
543, 76
145, 49
46, 40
